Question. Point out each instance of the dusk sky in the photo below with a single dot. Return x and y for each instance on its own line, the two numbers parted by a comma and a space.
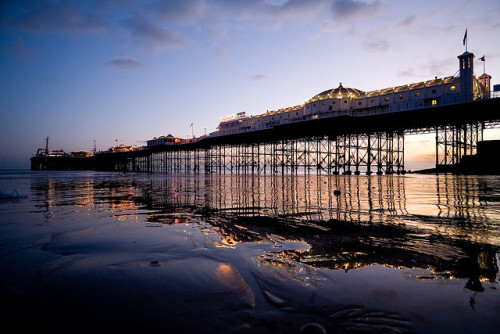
107, 70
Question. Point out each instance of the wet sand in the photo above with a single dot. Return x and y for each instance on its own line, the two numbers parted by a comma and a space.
96, 259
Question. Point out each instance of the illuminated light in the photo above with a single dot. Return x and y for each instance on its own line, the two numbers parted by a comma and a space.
228, 276
452, 88
434, 102
233, 116
386, 98
417, 93
400, 96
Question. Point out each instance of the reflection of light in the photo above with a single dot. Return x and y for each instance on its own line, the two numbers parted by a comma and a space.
436, 203
226, 274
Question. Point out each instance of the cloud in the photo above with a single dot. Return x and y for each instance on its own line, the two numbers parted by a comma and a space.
185, 11
409, 73
378, 46
20, 49
407, 22
265, 9
427, 71
160, 25
152, 35
345, 9
125, 63
258, 77
65, 18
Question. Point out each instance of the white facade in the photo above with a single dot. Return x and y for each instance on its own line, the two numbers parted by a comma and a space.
343, 101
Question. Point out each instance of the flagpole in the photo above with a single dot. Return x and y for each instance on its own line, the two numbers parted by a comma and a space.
465, 40
484, 63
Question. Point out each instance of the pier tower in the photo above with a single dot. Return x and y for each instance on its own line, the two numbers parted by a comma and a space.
485, 80
466, 62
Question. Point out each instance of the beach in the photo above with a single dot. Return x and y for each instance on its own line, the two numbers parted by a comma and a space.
140, 253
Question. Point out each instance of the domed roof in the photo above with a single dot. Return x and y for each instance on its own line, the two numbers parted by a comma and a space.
340, 92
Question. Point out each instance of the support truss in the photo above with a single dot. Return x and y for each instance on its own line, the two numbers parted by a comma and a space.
455, 141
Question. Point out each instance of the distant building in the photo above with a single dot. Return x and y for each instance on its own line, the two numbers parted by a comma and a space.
121, 148
81, 153
163, 140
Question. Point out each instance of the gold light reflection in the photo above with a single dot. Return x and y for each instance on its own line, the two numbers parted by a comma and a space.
85, 195
345, 230
225, 273
439, 206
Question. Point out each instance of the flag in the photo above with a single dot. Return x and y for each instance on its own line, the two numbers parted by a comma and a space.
465, 37
482, 58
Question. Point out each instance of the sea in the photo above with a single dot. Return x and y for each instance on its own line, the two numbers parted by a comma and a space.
106, 252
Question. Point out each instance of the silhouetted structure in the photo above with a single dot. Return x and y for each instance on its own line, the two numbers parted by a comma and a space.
342, 130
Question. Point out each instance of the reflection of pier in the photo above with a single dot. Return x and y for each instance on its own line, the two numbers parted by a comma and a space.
448, 224
391, 219
452, 204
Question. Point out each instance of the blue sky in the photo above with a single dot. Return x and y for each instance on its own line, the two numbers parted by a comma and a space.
79, 71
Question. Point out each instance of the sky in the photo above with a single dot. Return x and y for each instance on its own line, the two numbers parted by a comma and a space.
104, 71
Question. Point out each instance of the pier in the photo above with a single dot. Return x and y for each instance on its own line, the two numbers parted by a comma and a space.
330, 145
338, 131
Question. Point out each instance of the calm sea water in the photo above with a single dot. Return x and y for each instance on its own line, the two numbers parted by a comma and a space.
210, 253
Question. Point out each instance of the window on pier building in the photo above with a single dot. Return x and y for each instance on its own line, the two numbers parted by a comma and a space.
431, 102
